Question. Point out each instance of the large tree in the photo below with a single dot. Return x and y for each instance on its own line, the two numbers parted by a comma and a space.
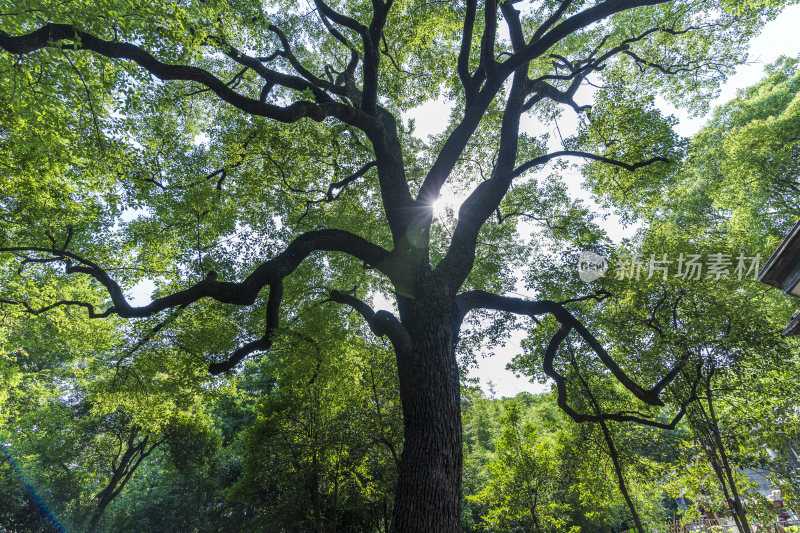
272, 157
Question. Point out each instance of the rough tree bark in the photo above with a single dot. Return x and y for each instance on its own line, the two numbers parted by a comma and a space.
428, 494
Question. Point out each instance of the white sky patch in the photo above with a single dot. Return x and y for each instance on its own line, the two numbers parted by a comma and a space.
430, 118
201, 139
449, 199
141, 293
131, 214
440, 205
778, 38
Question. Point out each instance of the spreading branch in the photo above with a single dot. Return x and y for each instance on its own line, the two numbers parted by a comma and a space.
68, 36
541, 160
486, 198
487, 60
536, 47
237, 293
484, 300
463, 55
336, 188
262, 344
90, 309
382, 323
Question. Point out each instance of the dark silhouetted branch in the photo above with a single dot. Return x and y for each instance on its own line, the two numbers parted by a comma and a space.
237, 293
65, 35
485, 300
381, 323
261, 344
541, 160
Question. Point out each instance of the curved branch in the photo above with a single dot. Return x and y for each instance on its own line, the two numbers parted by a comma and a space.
346, 77
340, 19
259, 345
541, 90
50, 35
463, 55
459, 137
486, 198
306, 80
543, 41
484, 300
334, 189
487, 61
237, 293
90, 309
305, 73
620, 416
541, 160
381, 323
552, 19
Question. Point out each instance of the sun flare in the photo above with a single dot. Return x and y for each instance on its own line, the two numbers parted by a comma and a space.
447, 201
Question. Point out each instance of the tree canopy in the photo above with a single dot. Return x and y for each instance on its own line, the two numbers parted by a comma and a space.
252, 164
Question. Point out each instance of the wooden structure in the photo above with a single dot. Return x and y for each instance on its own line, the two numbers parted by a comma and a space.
783, 272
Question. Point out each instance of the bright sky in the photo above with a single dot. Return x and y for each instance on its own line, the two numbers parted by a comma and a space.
780, 37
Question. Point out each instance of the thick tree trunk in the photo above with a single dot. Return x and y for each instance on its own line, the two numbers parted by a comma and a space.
428, 493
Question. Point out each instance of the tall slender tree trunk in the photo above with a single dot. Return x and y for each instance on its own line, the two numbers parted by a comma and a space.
428, 493
385, 516
715, 465
706, 423
536, 526
623, 486
98, 512
723, 469
121, 473
612, 450
335, 503
316, 498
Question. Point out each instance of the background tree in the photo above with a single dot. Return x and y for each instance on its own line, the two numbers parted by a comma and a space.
79, 442
725, 325
532, 464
